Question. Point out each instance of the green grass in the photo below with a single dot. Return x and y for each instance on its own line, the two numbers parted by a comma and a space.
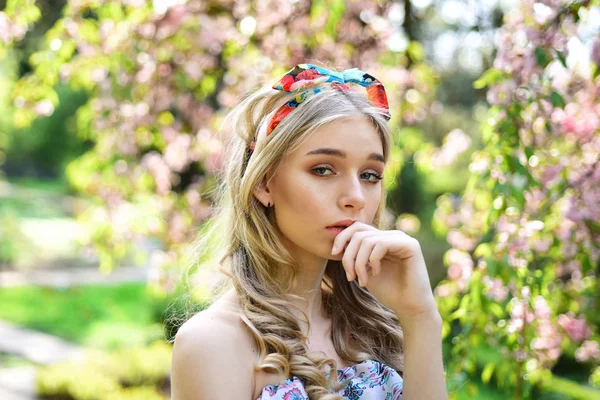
32, 207
31, 198
105, 317
48, 186
11, 361
37, 223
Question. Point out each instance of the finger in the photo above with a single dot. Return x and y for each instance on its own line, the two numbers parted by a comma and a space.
373, 262
351, 252
379, 251
362, 258
344, 236
411, 241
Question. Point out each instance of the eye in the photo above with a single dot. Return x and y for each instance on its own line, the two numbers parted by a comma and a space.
321, 168
375, 176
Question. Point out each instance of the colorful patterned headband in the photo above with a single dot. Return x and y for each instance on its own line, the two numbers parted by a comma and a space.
303, 79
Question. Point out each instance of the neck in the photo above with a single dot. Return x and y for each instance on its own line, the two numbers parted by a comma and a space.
306, 293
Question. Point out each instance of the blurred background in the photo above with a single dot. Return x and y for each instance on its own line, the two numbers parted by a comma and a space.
109, 146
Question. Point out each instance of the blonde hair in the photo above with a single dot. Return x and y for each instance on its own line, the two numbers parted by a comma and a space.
256, 263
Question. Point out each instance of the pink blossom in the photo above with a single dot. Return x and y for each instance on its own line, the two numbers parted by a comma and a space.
454, 272
547, 343
541, 308
542, 245
176, 154
159, 171
595, 55
44, 108
460, 241
455, 143
576, 328
443, 290
461, 265
519, 314
589, 350
551, 172
521, 310
495, 289
501, 94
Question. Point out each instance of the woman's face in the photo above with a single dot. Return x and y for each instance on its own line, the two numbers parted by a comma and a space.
333, 175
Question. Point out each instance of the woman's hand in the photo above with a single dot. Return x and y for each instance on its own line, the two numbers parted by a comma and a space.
391, 266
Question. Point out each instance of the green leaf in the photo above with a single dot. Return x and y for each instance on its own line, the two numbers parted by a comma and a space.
464, 303
496, 309
166, 118
88, 29
557, 100
492, 267
487, 372
519, 198
483, 250
541, 57
458, 314
316, 9
446, 329
336, 10
562, 58
415, 51
488, 78
528, 152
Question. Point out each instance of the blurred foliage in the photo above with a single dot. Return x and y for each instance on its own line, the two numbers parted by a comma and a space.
135, 373
12, 241
98, 316
34, 198
158, 83
38, 228
51, 63
44, 148
522, 270
16, 17
8, 360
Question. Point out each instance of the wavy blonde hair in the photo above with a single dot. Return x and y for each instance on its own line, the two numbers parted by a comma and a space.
256, 263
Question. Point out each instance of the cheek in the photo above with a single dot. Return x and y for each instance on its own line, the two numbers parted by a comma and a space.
301, 200
295, 217
374, 205
299, 210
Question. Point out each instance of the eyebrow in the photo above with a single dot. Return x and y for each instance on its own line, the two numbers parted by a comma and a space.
340, 153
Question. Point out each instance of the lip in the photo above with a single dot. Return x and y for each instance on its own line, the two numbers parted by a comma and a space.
334, 230
345, 222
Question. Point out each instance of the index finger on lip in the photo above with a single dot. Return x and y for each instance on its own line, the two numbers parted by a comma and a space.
344, 236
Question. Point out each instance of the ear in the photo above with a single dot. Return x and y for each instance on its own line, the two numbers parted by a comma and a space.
262, 193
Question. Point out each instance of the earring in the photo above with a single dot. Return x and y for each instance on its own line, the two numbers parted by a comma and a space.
269, 205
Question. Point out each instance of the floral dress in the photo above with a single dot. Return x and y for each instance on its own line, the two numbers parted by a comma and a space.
370, 380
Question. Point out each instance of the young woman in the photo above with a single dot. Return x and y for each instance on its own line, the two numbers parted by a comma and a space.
314, 285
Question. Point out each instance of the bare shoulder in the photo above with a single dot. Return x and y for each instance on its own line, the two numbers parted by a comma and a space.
211, 351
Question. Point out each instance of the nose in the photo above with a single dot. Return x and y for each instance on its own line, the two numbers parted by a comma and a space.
353, 195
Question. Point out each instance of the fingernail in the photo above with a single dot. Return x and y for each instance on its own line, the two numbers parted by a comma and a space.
334, 250
348, 276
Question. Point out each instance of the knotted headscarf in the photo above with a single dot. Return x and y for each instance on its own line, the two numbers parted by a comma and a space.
303, 79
